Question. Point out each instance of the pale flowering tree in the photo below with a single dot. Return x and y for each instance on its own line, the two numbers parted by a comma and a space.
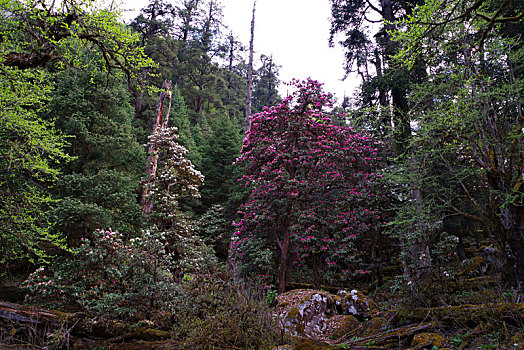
310, 183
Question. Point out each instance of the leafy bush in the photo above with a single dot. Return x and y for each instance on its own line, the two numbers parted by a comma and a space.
110, 276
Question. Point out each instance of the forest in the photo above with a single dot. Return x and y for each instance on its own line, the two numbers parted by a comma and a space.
158, 192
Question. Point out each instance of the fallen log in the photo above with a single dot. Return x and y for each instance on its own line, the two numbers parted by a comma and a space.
44, 322
383, 338
470, 315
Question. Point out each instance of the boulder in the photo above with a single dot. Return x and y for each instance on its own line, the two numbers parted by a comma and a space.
305, 313
374, 326
342, 325
355, 303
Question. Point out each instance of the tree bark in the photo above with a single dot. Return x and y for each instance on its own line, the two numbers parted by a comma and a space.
152, 159
282, 282
316, 273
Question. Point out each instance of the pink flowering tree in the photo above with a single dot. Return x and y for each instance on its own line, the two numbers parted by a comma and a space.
310, 187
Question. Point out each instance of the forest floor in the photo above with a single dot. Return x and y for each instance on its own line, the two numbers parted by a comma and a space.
479, 319
470, 311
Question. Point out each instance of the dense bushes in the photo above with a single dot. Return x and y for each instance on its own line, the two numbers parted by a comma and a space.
219, 313
109, 276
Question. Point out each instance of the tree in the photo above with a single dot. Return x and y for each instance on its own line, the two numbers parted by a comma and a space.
36, 34
98, 189
30, 150
475, 111
221, 150
249, 93
234, 99
198, 73
310, 184
390, 84
265, 93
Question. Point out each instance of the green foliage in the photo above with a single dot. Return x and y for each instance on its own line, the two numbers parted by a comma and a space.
215, 229
468, 143
35, 34
98, 189
221, 150
180, 119
30, 150
265, 93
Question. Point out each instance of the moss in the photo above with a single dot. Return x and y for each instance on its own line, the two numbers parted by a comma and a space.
140, 345
309, 344
301, 328
147, 334
343, 325
374, 326
467, 314
518, 339
292, 313
473, 265
427, 339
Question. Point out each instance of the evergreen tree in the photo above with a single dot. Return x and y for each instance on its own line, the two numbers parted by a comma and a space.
181, 120
99, 188
36, 34
265, 93
221, 150
384, 82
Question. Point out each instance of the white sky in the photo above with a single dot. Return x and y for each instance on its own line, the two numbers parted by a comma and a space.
295, 32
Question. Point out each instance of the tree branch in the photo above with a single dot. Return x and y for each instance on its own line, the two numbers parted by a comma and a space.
373, 7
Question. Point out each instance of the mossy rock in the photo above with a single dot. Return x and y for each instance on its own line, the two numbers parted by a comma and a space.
342, 325
422, 340
355, 303
310, 344
305, 312
374, 326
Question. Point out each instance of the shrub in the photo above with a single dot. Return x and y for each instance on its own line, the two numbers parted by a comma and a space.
110, 276
220, 313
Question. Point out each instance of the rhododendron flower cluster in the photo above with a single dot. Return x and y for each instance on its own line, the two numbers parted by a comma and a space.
310, 182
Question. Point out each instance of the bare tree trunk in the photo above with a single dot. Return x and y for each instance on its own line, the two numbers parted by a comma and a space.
250, 73
152, 159
315, 260
230, 66
282, 281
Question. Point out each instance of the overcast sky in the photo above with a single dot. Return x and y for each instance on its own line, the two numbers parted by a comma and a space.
295, 32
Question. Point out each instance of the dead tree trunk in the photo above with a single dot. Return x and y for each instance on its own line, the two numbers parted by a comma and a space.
250, 73
152, 159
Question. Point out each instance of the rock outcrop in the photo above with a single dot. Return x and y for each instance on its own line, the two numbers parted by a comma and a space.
318, 314
305, 313
355, 303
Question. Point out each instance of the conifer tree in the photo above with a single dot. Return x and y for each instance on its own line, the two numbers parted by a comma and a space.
98, 189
